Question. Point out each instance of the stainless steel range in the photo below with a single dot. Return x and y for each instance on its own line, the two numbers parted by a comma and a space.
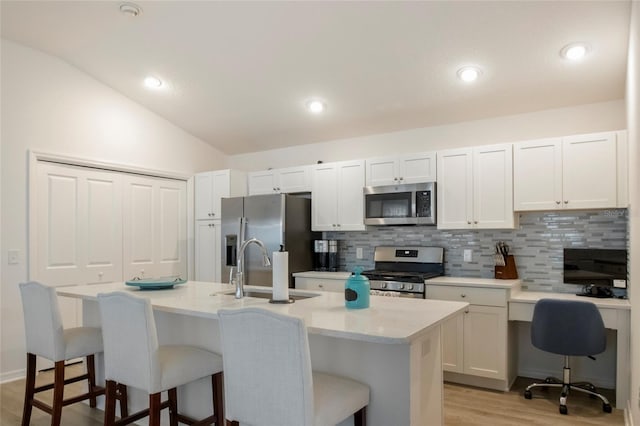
401, 271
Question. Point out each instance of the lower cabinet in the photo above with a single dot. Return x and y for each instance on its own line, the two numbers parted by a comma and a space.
322, 284
475, 345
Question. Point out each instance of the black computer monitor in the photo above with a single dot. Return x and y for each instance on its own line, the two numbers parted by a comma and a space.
595, 267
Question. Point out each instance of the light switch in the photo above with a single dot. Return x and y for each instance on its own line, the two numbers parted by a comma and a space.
359, 253
14, 257
467, 255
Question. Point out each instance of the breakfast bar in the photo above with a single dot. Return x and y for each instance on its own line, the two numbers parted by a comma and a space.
394, 346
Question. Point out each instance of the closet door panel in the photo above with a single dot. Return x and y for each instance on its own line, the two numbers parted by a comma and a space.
171, 229
138, 228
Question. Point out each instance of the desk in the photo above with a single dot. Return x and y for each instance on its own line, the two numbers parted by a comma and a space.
616, 315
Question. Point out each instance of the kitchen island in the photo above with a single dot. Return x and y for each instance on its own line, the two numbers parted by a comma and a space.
394, 346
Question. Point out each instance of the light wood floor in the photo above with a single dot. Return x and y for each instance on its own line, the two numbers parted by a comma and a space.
464, 406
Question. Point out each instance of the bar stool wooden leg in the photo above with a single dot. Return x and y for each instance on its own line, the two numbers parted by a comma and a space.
360, 417
173, 406
58, 393
154, 409
29, 388
110, 403
218, 403
121, 395
91, 372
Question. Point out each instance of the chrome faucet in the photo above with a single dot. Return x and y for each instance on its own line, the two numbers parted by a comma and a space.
239, 278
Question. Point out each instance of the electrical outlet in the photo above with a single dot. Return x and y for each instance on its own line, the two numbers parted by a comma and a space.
467, 255
359, 254
14, 257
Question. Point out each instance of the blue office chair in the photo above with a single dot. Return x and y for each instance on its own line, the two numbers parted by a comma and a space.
569, 328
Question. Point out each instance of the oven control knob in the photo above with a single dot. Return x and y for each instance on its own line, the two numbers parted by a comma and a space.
409, 286
401, 286
383, 285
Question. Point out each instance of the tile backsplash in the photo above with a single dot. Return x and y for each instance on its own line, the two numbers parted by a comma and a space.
536, 244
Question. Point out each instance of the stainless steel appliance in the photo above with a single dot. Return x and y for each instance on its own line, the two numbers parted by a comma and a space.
406, 204
276, 220
401, 271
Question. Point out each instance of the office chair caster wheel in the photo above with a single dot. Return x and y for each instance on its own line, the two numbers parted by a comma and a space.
527, 394
563, 409
606, 408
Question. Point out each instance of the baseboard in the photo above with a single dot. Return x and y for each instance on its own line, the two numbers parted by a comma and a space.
628, 415
541, 374
13, 375
480, 382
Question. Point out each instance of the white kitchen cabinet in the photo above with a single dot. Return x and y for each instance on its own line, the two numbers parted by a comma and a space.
207, 254
211, 187
413, 168
476, 343
280, 181
322, 284
336, 196
475, 188
575, 172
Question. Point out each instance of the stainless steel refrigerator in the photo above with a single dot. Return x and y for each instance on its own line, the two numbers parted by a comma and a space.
275, 219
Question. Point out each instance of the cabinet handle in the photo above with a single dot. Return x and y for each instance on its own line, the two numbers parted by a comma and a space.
401, 178
321, 285
557, 202
566, 201
468, 222
395, 178
463, 295
211, 225
475, 221
466, 311
278, 189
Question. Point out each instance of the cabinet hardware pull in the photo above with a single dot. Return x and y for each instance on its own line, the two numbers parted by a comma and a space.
566, 201
395, 178
401, 178
557, 202
468, 222
466, 311
475, 221
463, 295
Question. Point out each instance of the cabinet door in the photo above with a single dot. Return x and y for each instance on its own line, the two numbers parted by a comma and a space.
324, 200
493, 187
455, 189
350, 196
321, 284
154, 227
262, 182
79, 225
294, 179
417, 168
221, 188
485, 341
537, 174
453, 344
207, 257
381, 171
589, 171
203, 195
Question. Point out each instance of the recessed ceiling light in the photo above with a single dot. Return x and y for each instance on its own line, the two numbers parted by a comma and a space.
469, 74
316, 106
153, 82
130, 9
575, 51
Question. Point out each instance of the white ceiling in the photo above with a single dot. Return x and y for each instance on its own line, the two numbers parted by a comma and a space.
239, 73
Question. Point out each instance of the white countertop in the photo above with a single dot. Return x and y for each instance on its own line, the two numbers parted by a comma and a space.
387, 320
533, 296
475, 282
323, 275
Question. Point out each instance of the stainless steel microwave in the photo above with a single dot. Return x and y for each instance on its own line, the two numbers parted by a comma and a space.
406, 204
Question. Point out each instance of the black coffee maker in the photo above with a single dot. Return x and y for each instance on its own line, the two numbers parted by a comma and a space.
326, 255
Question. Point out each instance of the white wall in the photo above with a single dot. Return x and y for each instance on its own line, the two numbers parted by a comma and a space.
559, 122
633, 123
50, 106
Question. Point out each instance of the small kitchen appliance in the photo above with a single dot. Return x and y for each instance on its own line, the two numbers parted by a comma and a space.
325, 254
401, 271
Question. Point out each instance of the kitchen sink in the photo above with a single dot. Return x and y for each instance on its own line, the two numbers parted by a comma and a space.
267, 294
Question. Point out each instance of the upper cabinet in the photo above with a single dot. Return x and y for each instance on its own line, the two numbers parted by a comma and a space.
276, 181
413, 168
211, 187
475, 188
336, 196
576, 172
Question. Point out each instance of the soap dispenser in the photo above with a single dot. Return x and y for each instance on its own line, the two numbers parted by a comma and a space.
356, 291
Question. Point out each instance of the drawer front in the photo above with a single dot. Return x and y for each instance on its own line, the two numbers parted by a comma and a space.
472, 295
320, 284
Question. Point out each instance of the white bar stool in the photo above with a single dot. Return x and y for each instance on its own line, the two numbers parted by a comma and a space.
268, 376
133, 357
46, 337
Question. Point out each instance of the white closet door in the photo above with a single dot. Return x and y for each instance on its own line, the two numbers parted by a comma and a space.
154, 227
78, 225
